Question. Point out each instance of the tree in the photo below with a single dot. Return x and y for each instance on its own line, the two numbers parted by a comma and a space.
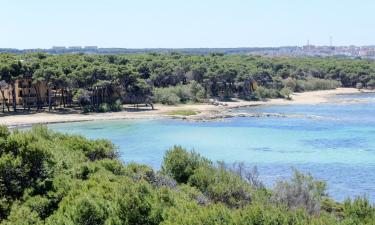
3, 87
49, 76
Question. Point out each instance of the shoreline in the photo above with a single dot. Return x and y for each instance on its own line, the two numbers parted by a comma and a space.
204, 111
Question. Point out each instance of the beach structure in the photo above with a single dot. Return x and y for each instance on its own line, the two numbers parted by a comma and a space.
27, 94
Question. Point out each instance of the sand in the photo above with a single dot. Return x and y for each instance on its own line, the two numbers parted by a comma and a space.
204, 111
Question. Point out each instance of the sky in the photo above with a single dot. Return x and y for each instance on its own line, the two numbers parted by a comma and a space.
185, 23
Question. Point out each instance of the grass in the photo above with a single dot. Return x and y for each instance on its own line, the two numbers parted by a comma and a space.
182, 112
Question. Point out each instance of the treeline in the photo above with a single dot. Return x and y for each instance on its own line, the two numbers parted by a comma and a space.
92, 80
54, 178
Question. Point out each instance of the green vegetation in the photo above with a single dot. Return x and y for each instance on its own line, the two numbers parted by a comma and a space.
95, 82
173, 95
182, 112
286, 92
312, 84
53, 178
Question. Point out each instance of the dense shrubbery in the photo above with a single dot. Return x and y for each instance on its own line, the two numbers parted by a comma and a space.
263, 93
310, 84
166, 96
52, 178
173, 95
114, 107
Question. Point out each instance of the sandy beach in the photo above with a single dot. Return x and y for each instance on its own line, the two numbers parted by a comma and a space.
204, 111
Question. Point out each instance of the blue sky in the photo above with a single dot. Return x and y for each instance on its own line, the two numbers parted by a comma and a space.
185, 23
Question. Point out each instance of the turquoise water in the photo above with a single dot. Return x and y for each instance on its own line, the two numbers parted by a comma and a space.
337, 144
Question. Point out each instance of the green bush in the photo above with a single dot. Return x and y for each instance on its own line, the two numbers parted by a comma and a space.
104, 107
87, 108
137, 206
93, 150
116, 106
180, 164
290, 83
359, 210
286, 92
262, 93
197, 92
4, 132
25, 163
221, 185
312, 84
166, 96
180, 94
22, 215
82, 96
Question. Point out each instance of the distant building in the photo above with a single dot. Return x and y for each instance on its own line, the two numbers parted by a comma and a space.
367, 53
76, 48
91, 47
58, 48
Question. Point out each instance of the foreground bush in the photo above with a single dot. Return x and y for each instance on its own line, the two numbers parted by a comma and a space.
52, 178
301, 192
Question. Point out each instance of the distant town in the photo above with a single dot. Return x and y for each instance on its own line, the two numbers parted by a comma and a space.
290, 51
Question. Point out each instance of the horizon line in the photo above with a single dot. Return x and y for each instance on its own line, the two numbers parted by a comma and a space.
83, 47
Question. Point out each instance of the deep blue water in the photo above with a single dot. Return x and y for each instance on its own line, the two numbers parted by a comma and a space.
334, 142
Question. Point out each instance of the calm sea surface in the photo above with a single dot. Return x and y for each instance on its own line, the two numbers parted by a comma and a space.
334, 142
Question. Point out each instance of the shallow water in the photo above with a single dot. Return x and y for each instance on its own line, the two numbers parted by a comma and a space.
337, 144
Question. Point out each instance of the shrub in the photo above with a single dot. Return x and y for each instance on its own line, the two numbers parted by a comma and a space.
302, 192
136, 206
286, 92
82, 96
87, 109
87, 210
41, 205
22, 215
312, 84
4, 132
180, 164
11, 176
221, 185
290, 83
93, 150
166, 96
180, 94
359, 210
182, 91
104, 107
116, 106
250, 175
24, 163
263, 93
218, 183
197, 92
